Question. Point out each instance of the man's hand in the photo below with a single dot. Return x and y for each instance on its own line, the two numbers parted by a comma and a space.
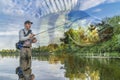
31, 35
34, 40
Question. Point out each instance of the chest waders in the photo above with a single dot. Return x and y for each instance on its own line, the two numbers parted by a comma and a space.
24, 71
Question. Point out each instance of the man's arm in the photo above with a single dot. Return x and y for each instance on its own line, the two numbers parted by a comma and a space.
22, 37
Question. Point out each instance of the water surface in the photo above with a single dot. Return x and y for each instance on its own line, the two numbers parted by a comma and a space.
43, 70
64, 67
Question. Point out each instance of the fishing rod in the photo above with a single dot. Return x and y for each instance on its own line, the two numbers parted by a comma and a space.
69, 23
48, 32
49, 29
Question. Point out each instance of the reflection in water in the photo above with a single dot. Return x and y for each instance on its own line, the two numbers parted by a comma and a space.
88, 69
65, 67
41, 69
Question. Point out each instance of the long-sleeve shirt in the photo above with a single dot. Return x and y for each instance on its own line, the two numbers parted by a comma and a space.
21, 35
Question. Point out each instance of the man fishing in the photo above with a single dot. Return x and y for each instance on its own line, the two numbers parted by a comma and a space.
27, 38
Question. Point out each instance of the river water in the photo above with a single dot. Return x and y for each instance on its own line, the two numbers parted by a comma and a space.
64, 67
42, 70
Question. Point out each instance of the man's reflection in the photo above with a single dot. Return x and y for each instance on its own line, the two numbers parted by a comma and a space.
22, 74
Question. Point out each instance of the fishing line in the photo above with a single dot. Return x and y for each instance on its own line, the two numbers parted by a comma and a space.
69, 24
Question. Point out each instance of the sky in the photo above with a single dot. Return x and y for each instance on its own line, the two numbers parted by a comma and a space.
46, 14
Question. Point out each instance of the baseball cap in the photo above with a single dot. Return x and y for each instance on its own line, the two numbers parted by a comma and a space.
28, 22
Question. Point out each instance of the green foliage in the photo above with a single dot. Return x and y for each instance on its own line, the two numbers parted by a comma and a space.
111, 45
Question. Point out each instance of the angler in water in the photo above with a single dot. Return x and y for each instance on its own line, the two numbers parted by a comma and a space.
26, 38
